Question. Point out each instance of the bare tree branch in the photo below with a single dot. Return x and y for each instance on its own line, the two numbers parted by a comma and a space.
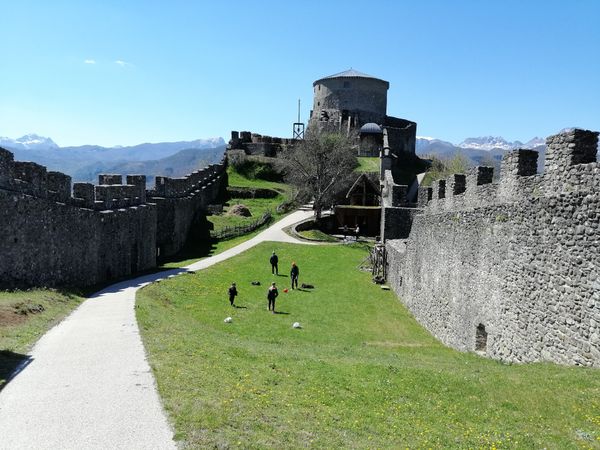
317, 165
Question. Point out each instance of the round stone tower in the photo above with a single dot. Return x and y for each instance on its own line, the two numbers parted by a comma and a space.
348, 100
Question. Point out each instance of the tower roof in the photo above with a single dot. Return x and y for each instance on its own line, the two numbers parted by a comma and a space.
350, 73
371, 128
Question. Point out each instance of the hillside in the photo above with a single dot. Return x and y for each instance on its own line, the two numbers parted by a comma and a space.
181, 163
82, 162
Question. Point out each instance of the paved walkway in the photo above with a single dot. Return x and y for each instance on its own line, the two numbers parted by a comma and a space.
89, 384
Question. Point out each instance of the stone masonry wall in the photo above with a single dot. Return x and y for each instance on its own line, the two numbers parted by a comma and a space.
519, 259
257, 144
51, 236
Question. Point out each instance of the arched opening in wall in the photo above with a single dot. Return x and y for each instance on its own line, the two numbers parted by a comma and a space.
480, 338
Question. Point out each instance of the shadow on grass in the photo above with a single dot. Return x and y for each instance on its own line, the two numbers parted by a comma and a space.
10, 365
196, 247
282, 312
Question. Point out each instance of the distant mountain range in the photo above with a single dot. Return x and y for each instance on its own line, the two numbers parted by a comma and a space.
491, 143
28, 142
84, 163
487, 150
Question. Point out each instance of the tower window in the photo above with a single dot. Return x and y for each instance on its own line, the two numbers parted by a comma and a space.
346, 84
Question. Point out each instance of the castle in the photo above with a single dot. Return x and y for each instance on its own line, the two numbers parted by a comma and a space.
355, 104
57, 234
348, 102
510, 268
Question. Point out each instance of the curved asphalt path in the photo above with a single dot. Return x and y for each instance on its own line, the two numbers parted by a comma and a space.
88, 384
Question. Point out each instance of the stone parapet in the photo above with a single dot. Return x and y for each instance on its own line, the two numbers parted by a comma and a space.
95, 233
577, 172
510, 268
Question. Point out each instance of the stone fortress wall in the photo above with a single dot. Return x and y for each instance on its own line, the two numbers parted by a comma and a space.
54, 234
257, 144
511, 269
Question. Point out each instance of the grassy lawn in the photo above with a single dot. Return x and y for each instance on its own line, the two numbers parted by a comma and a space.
361, 373
238, 180
317, 235
367, 164
257, 206
24, 317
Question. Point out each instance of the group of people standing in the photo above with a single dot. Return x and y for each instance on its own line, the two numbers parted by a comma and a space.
272, 292
294, 272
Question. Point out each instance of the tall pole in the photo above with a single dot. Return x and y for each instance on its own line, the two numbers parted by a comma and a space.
298, 132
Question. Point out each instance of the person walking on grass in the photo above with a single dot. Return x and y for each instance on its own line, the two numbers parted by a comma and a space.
274, 260
232, 293
272, 294
294, 273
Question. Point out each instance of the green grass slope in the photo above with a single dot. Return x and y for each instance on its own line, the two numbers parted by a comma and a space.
24, 317
361, 373
367, 164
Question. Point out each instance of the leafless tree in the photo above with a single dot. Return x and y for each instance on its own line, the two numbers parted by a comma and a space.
318, 166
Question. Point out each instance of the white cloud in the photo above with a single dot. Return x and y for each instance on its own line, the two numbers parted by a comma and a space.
122, 63
89, 61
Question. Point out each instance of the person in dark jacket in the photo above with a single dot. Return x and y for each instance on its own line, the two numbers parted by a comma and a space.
274, 261
232, 293
272, 294
294, 273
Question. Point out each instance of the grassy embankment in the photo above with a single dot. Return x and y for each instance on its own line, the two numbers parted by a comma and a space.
367, 164
257, 206
197, 249
24, 317
317, 235
361, 373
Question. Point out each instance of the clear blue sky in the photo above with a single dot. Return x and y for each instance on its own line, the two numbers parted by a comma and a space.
125, 72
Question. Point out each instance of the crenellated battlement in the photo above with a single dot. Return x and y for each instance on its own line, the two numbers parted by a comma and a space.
570, 167
509, 268
58, 232
192, 184
257, 144
35, 180
59, 187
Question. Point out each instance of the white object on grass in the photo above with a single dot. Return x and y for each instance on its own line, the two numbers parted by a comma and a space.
228, 320
296, 325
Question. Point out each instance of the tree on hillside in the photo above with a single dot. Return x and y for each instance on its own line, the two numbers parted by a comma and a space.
318, 165
442, 168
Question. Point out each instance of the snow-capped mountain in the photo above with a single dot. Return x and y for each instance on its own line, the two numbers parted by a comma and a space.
30, 141
489, 143
487, 150
497, 142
